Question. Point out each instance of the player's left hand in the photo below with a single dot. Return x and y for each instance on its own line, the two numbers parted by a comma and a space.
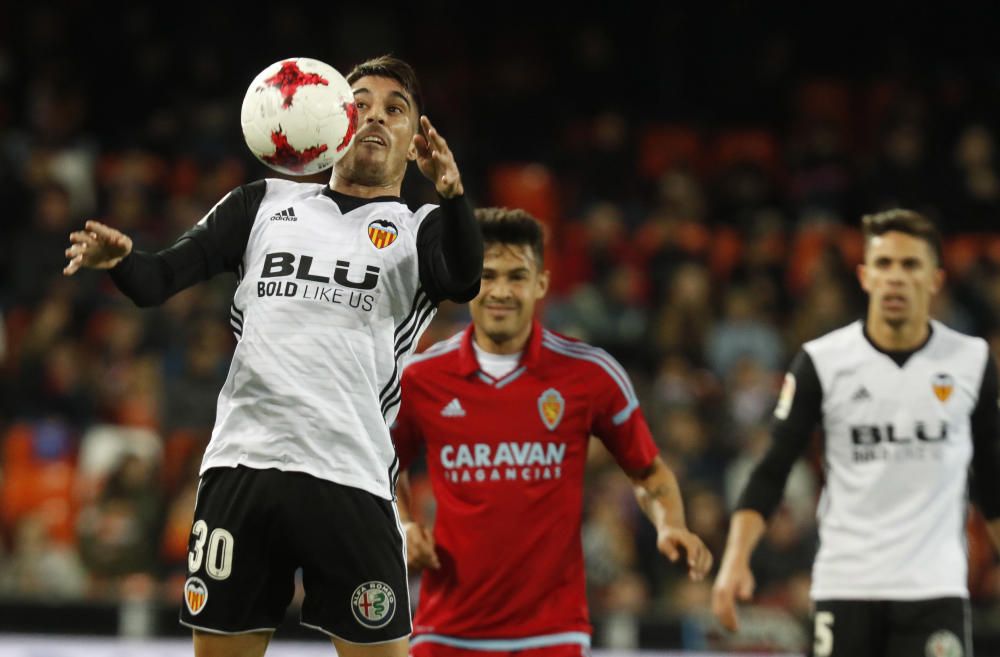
436, 161
676, 541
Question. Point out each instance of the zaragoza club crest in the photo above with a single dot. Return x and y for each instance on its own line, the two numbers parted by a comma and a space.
551, 406
382, 233
943, 384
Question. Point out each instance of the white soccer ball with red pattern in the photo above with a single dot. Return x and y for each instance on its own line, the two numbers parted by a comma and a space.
299, 116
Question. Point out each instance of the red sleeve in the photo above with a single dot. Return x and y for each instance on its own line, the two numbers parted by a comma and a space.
618, 421
405, 433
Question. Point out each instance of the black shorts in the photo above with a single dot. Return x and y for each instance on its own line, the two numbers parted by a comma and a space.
253, 528
891, 628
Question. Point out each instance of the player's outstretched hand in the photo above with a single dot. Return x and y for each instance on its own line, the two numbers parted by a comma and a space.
675, 542
420, 551
733, 582
436, 160
97, 246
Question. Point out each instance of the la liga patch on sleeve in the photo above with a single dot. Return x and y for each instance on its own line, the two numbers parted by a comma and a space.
786, 397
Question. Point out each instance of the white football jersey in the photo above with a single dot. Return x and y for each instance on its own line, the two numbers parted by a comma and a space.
898, 445
329, 301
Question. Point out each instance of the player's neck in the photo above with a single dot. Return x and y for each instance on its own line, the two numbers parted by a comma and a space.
514, 345
345, 186
905, 337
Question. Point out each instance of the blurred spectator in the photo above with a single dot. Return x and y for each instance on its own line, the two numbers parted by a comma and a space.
741, 333
119, 530
189, 397
39, 567
973, 194
685, 314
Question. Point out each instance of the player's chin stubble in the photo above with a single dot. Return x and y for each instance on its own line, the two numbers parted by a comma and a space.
498, 337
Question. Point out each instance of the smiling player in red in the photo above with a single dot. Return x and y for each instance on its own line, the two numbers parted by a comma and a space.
505, 411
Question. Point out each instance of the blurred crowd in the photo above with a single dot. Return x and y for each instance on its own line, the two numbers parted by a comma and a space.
702, 223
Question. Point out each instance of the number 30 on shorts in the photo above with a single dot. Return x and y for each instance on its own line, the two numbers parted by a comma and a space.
220, 551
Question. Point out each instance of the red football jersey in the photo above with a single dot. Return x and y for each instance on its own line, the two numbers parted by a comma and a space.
506, 461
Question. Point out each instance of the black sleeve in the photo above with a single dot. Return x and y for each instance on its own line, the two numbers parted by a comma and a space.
984, 480
799, 410
214, 245
450, 251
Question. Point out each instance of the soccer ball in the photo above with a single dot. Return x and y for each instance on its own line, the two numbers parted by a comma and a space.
299, 116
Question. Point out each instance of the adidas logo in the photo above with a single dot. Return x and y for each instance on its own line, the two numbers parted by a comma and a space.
453, 409
861, 394
285, 215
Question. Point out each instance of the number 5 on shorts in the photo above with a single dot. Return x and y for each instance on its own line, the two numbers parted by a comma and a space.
823, 634
220, 551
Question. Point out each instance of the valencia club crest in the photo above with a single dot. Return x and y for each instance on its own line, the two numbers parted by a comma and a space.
382, 233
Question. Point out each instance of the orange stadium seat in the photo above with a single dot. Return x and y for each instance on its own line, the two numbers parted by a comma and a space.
531, 187
750, 146
726, 249
46, 488
665, 146
825, 99
961, 253
806, 250
851, 245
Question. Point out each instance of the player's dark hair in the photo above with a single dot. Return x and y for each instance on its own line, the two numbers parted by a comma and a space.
387, 66
903, 221
512, 226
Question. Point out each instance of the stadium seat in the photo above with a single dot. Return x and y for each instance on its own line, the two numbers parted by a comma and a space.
665, 146
827, 100
531, 187
751, 146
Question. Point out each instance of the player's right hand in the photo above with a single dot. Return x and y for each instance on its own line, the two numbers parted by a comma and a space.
97, 246
734, 581
420, 550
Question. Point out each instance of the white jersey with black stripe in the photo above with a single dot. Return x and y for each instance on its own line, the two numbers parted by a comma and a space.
898, 448
327, 305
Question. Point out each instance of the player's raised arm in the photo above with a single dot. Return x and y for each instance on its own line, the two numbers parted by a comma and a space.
659, 497
796, 415
215, 244
450, 242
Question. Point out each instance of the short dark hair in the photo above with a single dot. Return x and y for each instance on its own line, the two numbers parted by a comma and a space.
387, 66
903, 221
512, 226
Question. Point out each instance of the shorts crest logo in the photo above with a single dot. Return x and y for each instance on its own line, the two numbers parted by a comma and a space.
551, 406
943, 384
195, 595
943, 643
373, 604
382, 233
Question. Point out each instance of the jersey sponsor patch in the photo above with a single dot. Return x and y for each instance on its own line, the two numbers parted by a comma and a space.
551, 406
786, 397
943, 384
195, 595
943, 643
373, 604
382, 233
